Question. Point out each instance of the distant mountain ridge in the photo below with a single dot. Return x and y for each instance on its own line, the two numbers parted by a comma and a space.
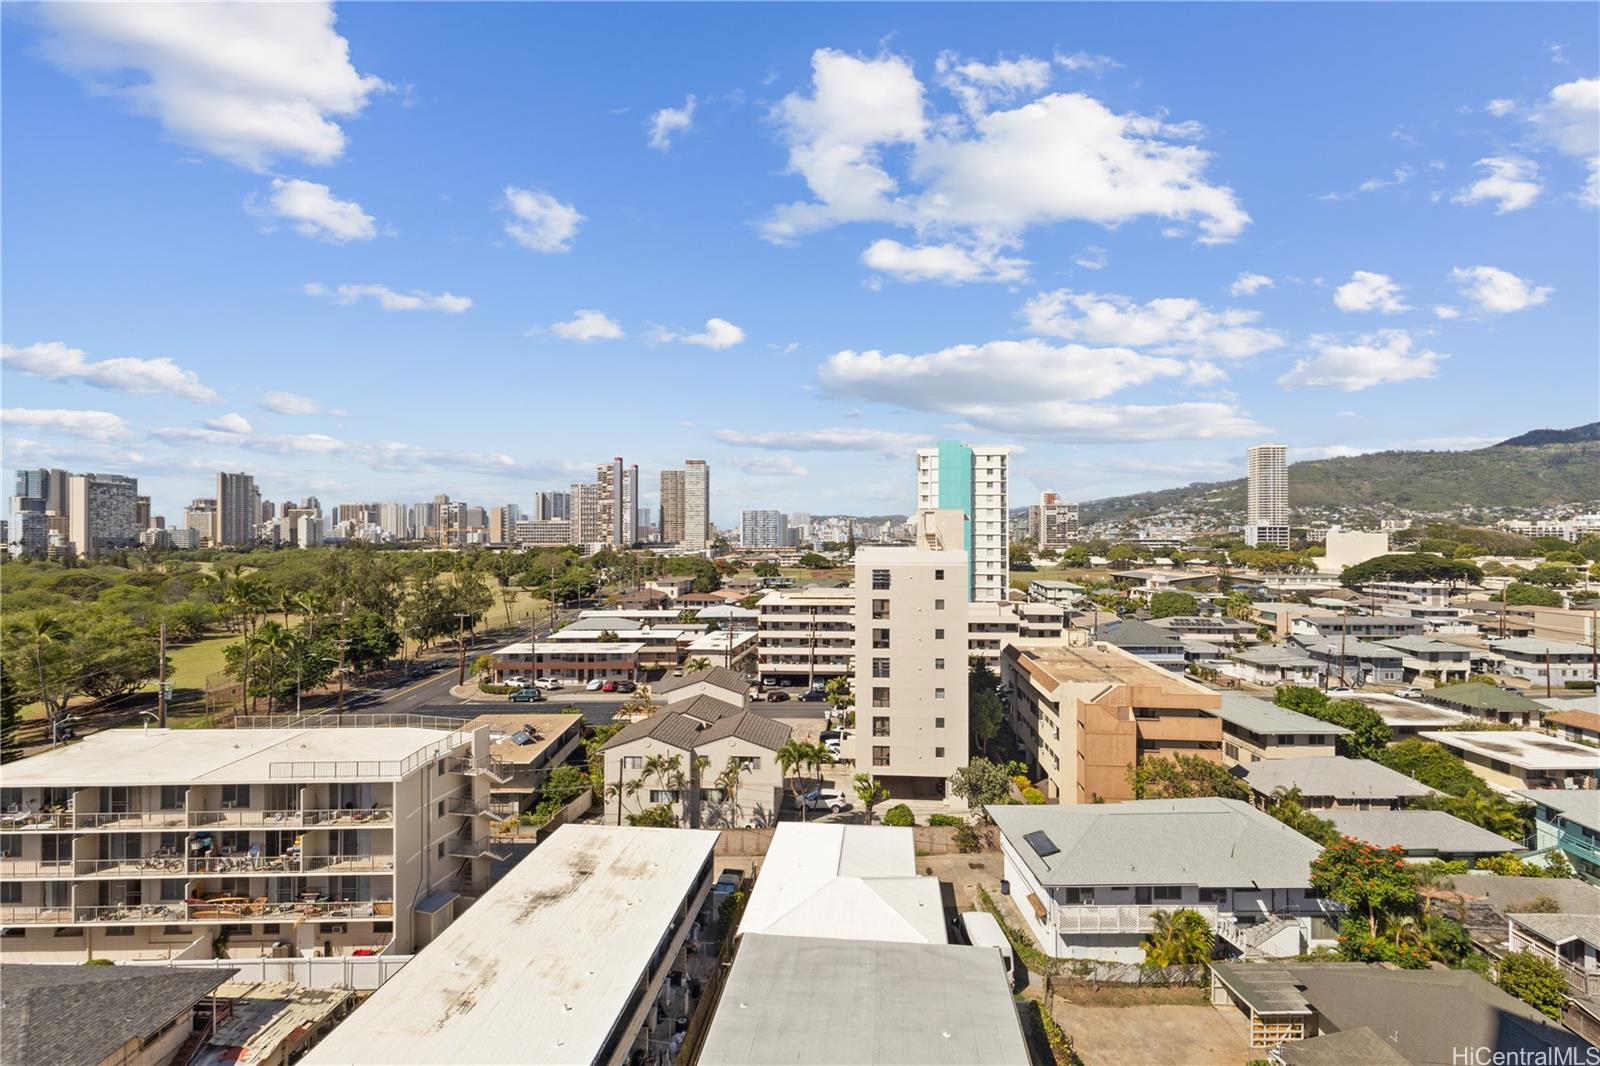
1542, 468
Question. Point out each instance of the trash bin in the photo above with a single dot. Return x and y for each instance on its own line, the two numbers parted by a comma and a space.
1005, 887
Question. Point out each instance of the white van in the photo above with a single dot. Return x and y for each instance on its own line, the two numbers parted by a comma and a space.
982, 931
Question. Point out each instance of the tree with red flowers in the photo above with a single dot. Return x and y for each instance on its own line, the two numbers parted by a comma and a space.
1367, 878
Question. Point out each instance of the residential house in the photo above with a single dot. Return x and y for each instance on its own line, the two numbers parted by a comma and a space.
1571, 941
1514, 760
1279, 615
1545, 663
1085, 712
1060, 593
1149, 643
1273, 664
1425, 835
718, 682
1489, 702
1354, 662
699, 728
1212, 627
1334, 781
570, 660
576, 956
1355, 627
1580, 727
1570, 821
1254, 729
1088, 880
1430, 656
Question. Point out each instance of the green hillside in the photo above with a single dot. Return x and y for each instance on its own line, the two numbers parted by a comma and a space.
1516, 473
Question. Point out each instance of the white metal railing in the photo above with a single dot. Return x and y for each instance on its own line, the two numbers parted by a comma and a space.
349, 863
465, 848
35, 867
243, 817
174, 819
132, 866
367, 769
131, 912
15, 913
1129, 918
18, 821
244, 864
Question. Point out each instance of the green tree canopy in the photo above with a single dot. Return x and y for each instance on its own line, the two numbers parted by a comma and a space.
1183, 777
1171, 604
1420, 566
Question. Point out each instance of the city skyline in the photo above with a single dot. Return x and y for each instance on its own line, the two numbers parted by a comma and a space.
1182, 273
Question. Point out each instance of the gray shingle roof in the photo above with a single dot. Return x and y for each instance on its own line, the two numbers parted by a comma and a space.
1559, 928
749, 726
1133, 633
706, 708
1264, 717
1475, 695
701, 721
79, 1015
1419, 831
1209, 842
720, 676
1332, 775
1276, 655
1577, 805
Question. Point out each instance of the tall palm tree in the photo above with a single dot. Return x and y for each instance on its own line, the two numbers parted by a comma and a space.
697, 664
819, 755
1178, 938
728, 781
792, 759
39, 631
274, 643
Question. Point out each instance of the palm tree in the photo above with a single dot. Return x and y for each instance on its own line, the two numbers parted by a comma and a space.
792, 758
819, 754
275, 643
39, 631
697, 664
1177, 938
728, 781
870, 793
621, 790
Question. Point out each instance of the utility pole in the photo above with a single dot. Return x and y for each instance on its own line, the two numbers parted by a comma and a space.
161, 680
343, 643
1547, 671
461, 643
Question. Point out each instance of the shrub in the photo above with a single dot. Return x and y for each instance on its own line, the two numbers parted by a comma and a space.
899, 815
946, 819
1538, 905
1032, 795
1061, 1049
1535, 980
1582, 685
99, 962
491, 689
968, 839
1021, 781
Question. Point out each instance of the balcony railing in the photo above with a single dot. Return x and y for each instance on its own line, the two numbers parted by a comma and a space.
20, 821
19, 868
464, 848
134, 820
18, 913
132, 912
137, 866
349, 863
244, 864
1133, 918
260, 818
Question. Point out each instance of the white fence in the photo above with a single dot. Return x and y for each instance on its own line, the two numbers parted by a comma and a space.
362, 973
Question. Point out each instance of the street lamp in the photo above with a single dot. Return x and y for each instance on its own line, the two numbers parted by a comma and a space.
149, 716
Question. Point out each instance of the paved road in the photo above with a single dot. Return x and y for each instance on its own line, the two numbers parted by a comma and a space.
595, 712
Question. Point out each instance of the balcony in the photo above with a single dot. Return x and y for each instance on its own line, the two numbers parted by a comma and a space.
244, 818
465, 848
244, 864
18, 869
20, 821
23, 914
1091, 918
340, 864
136, 866
131, 821
466, 805
127, 913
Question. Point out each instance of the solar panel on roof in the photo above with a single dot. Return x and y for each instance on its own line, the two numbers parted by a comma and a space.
1041, 843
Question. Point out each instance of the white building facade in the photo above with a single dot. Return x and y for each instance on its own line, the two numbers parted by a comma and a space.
972, 479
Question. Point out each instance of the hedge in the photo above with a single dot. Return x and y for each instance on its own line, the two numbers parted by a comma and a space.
899, 815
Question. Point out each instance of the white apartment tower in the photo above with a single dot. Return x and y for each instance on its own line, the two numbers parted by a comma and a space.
238, 510
1267, 497
696, 505
762, 529
102, 509
1053, 523
972, 479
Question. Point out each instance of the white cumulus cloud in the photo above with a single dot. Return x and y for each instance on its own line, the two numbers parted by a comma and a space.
1569, 121
56, 361
718, 334
1169, 326
89, 425
314, 211
1367, 291
1511, 184
588, 325
1248, 284
669, 121
389, 299
1389, 355
539, 221
290, 403
1446, 312
949, 263
769, 466
247, 82
232, 422
1496, 291
978, 86
830, 439
1501, 107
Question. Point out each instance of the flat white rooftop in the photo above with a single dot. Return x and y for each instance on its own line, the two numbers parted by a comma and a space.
541, 968
799, 1001
228, 756
850, 882
1529, 751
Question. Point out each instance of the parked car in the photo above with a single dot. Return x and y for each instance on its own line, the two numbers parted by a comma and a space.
527, 694
777, 696
593, 686
727, 884
626, 686
608, 686
516, 682
813, 695
826, 799
551, 683
1408, 693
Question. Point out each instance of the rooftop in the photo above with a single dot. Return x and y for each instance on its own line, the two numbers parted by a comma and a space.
230, 756
818, 595
1535, 646
1418, 831
719, 676
701, 721
1476, 696
803, 1001
538, 970
1587, 720
1529, 751
848, 882
1561, 928
1580, 806
1206, 842
1058, 662
524, 738
1132, 633
1509, 895
83, 1015
1419, 645
1332, 775
1264, 717
1274, 655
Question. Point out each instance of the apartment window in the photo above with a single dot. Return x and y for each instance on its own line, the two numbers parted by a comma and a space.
440, 764
1075, 897
441, 849
10, 891
880, 756
938, 605
1218, 896
938, 723
175, 930
938, 664
880, 668
880, 639
880, 697
172, 797
938, 693
10, 846
383, 927
938, 634
172, 887
633, 762
880, 581
938, 753
235, 796
880, 726
663, 795
880, 610
120, 930
441, 809
1146, 712
1146, 894
749, 762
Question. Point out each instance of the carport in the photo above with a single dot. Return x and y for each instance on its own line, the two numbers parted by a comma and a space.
1269, 995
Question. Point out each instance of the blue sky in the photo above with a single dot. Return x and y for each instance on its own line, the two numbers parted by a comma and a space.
392, 250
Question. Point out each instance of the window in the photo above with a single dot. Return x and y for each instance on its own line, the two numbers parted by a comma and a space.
120, 930
10, 846
880, 610
938, 753
880, 756
633, 762
1145, 894
880, 581
938, 723
235, 796
1075, 897
880, 638
441, 849
938, 605
270, 929
938, 664
175, 930
383, 927
749, 762
938, 575
172, 797
1218, 896
441, 767
441, 809
880, 697
880, 668
938, 693
880, 727
10, 891
938, 634
663, 795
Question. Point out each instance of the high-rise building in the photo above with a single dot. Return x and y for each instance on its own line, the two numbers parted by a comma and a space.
395, 520
269, 511
201, 516
585, 525
101, 509
672, 482
49, 485
503, 523
1267, 497
763, 529
630, 506
608, 479
28, 530
697, 532
309, 531
141, 512
1052, 522
549, 506
973, 480
238, 505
